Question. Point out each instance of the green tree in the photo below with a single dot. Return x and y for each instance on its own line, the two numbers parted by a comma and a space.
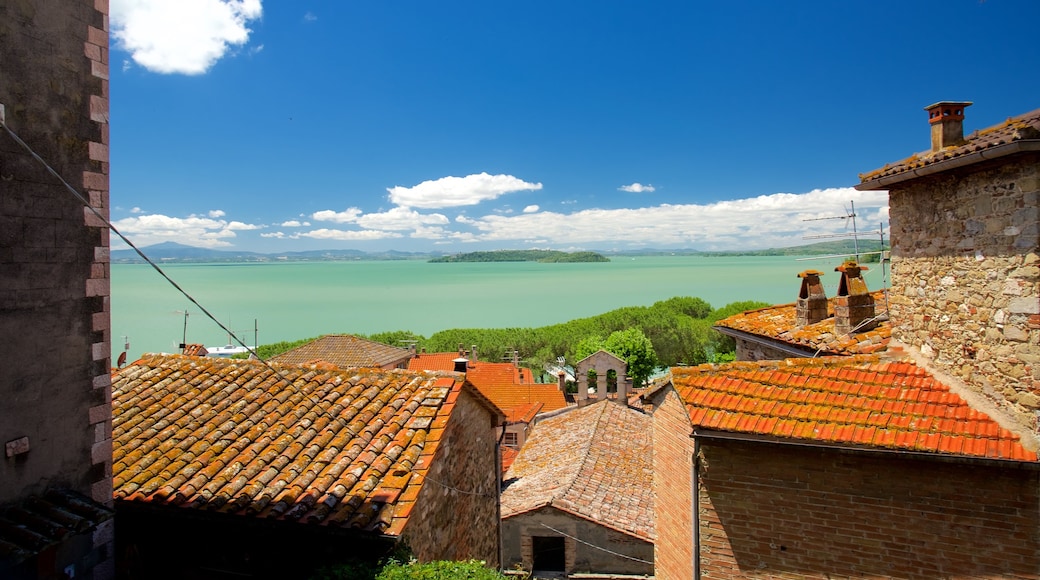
634, 348
439, 570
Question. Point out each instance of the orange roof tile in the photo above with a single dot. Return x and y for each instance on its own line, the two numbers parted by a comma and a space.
820, 409
1022, 127
505, 384
346, 351
594, 462
346, 448
777, 323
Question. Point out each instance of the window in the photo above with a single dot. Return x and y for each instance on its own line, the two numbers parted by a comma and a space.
511, 440
549, 553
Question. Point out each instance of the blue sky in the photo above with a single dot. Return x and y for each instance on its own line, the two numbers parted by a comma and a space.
461, 126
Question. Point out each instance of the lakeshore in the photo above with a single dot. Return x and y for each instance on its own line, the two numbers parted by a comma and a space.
290, 301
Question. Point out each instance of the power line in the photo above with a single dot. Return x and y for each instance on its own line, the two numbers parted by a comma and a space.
627, 557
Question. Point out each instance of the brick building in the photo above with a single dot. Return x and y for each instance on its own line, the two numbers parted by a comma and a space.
244, 466
578, 498
919, 461
966, 255
55, 419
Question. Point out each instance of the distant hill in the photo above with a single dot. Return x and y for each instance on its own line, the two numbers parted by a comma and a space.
544, 256
172, 252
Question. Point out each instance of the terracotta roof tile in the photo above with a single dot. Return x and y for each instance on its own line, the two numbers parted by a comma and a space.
339, 447
35, 523
594, 462
843, 401
1022, 127
778, 323
346, 351
511, 388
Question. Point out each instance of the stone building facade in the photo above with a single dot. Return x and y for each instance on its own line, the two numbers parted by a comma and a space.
965, 221
55, 420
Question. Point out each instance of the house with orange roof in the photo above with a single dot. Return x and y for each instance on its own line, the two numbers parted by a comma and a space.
511, 387
814, 325
345, 351
242, 464
917, 461
579, 497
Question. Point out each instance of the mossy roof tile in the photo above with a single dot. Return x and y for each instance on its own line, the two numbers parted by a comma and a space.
232, 436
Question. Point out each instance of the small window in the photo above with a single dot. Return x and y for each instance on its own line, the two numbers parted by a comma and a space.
511, 440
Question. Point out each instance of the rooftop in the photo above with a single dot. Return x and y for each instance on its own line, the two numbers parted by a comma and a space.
345, 448
857, 401
346, 351
996, 140
594, 462
510, 387
778, 323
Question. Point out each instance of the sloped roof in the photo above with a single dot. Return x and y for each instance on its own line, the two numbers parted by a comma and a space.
345, 448
346, 351
594, 462
507, 385
777, 323
1000, 138
857, 401
30, 526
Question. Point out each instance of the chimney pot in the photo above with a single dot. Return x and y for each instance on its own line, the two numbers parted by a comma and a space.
811, 306
460, 364
853, 306
947, 121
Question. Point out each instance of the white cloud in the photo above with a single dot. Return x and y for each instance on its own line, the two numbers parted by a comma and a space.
766, 221
348, 235
181, 37
531, 209
340, 217
277, 235
145, 230
400, 218
295, 224
638, 188
309, 17
136, 210
456, 191
217, 213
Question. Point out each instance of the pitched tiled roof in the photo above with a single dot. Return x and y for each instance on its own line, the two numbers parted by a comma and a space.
508, 457
594, 462
1023, 127
778, 323
29, 526
524, 413
346, 448
855, 401
345, 351
507, 385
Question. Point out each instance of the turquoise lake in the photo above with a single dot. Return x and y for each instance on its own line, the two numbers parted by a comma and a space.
294, 300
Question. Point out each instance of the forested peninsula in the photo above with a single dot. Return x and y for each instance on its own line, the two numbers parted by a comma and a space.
545, 256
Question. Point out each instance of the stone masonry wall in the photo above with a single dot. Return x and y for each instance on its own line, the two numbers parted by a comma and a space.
518, 547
753, 351
673, 488
782, 511
456, 515
966, 278
55, 419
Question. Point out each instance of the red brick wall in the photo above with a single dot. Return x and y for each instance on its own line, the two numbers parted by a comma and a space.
456, 514
781, 511
673, 496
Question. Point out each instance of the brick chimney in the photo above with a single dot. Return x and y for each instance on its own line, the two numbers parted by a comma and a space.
853, 305
811, 306
947, 121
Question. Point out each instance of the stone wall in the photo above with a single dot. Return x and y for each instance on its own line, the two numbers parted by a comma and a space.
673, 488
966, 277
456, 515
54, 272
770, 510
518, 546
748, 350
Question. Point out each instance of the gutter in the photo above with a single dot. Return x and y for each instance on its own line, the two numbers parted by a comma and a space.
1022, 146
797, 352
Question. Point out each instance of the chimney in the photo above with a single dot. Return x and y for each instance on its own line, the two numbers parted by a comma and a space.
853, 306
473, 353
561, 382
947, 121
460, 364
811, 306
